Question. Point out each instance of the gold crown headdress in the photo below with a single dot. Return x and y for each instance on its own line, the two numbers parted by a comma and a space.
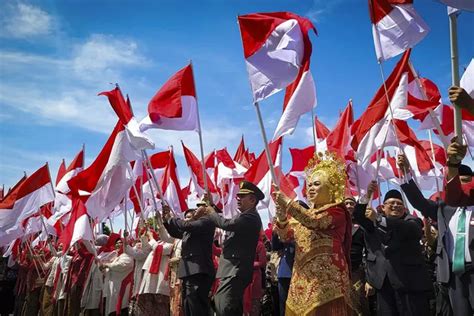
334, 168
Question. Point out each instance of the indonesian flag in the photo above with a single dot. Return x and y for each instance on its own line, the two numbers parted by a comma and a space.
446, 113
276, 46
369, 131
259, 173
76, 166
321, 130
169, 183
174, 106
299, 160
24, 200
197, 176
242, 155
338, 141
137, 139
61, 171
106, 181
396, 26
159, 161
78, 227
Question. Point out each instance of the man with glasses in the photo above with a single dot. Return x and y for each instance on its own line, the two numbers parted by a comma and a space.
395, 263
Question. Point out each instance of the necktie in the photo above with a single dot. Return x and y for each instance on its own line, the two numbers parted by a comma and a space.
459, 248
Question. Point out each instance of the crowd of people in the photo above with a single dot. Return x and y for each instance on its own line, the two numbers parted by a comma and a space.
334, 255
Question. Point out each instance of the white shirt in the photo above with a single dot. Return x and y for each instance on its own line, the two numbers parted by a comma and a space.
450, 241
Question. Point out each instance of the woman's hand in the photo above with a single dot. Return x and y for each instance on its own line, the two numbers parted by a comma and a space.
281, 201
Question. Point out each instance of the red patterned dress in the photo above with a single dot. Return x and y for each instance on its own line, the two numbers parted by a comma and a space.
320, 284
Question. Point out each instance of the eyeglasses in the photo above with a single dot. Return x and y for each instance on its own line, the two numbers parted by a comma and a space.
394, 203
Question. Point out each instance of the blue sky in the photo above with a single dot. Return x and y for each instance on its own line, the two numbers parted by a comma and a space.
55, 56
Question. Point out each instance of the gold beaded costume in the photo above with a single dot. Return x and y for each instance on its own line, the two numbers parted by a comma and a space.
320, 284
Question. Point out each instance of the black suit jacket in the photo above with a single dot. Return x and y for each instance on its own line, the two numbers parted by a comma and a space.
394, 251
442, 214
239, 248
196, 247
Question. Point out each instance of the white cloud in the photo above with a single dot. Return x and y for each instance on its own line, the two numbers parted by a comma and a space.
102, 56
321, 8
23, 20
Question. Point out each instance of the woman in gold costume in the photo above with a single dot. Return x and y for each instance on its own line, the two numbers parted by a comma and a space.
320, 284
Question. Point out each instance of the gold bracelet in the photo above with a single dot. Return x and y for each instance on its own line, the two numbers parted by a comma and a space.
282, 224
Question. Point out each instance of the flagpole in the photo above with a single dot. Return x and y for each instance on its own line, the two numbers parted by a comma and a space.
453, 35
313, 128
155, 182
434, 162
265, 142
204, 173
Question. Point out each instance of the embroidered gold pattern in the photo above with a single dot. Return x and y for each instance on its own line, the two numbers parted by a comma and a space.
320, 272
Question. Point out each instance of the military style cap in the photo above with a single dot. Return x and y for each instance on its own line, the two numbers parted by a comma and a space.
247, 187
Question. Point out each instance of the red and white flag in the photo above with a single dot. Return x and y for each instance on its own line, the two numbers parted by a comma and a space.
396, 26
76, 166
321, 130
196, 187
260, 175
370, 130
242, 155
338, 141
136, 138
106, 181
24, 200
174, 106
78, 227
172, 192
275, 48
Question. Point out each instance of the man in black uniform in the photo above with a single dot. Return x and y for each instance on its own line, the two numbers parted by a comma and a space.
236, 261
195, 269
395, 263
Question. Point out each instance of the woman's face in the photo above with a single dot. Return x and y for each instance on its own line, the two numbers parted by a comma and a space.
318, 190
119, 244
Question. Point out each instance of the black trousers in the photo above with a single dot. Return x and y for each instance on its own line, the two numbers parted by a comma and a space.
401, 303
283, 288
461, 293
228, 300
195, 294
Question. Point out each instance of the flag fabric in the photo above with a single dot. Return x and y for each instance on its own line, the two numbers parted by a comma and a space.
78, 227
396, 27
300, 159
321, 130
106, 181
61, 171
274, 49
197, 176
76, 166
171, 188
259, 173
467, 79
338, 140
242, 154
368, 132
174, 106
300, 96
136, 138
24, 200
